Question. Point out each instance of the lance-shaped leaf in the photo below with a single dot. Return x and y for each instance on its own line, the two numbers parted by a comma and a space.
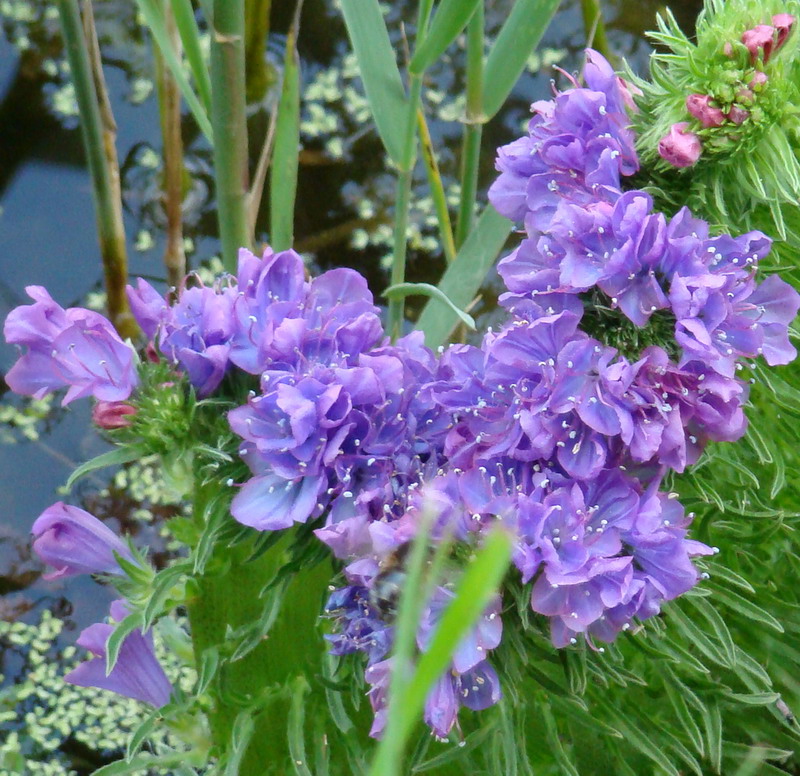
517, 38
465, 275
156, 23
379, 73
190, 38
451, 17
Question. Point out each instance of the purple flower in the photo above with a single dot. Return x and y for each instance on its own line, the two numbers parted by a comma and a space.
136, 674
75, 349
680, 147
74, 542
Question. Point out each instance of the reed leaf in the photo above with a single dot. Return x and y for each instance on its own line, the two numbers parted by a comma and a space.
379, 73
451, 17
190, 38
465, 275
519, 35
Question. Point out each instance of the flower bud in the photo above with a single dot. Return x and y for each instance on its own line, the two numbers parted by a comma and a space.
74, 542
699, 105
758, 81
112, 414
762, 36
679, 147
783, 23
738, 115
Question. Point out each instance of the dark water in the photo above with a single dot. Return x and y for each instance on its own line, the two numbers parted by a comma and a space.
47, 232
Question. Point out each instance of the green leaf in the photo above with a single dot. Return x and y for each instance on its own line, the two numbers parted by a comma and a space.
379, 73
141, 763
141, 734
718, 626
473, 594
114, 457
115, 641
401, 290
209, 663
283, 170
190, 38
241, 734
684, 715
565, 764
465, 275
746, 608
754, 698
163, 585
296, 737
451, 17
154, 18
713, 723
519, 35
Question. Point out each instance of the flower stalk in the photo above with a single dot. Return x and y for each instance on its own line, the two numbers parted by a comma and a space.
473, 126
98, 131
229, 122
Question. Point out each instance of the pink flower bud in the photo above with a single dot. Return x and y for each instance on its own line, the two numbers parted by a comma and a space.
758, 80
112, 414
151, 354
679, 147
762, 36
629, 92
783, 23
738, 115
728, 49
699, 105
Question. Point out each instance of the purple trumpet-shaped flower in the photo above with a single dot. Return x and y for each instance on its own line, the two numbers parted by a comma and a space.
784, 24
75, 349
680, 147
74, 542
760, 41
136, 674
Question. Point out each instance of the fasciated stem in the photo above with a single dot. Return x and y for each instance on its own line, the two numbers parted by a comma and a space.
229, 122
473, 127
228, 596
404, 180
169, 103
98, 131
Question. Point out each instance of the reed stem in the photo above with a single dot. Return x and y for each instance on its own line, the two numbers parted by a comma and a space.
98, 131
404, 180
169, 103
595, 28
229, 122
473, 128
256, 33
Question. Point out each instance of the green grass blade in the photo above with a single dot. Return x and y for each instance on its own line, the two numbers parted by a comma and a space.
426, 289
190, 38
379, 73
473, 594
154, 19
519, 35
283, 171
464, 276
451, 17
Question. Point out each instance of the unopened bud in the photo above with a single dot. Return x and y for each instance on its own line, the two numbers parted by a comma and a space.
699, 105
738, 115
760, 39
113, 414
758, 81
679, 147
783, 23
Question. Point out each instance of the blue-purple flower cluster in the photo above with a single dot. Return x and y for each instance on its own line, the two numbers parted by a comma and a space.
618, 362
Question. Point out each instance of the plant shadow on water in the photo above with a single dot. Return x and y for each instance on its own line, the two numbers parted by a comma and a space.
343, 217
